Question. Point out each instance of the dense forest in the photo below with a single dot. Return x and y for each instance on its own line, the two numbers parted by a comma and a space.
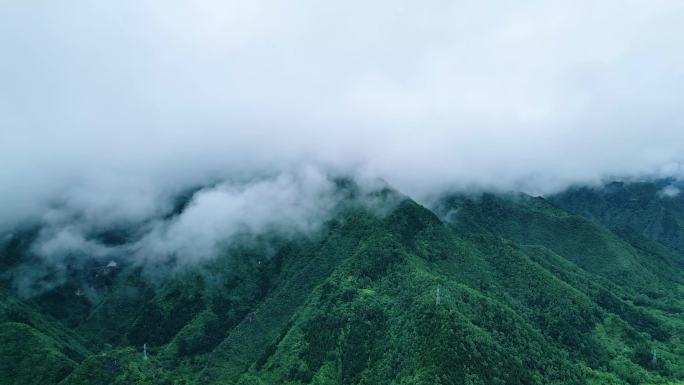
581, 287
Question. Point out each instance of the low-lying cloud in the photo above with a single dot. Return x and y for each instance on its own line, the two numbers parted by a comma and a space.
109, 110
282, 206
287, 204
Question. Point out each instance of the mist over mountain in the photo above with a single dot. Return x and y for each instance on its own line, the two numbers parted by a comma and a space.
189, 229
575, 288
394, 192
117, 107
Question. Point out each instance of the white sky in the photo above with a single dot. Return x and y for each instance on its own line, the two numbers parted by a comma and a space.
112, 106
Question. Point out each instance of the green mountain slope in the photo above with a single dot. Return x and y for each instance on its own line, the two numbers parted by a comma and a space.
486, 289
639, 210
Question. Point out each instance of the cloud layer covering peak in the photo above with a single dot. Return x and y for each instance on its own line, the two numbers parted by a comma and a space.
114, 107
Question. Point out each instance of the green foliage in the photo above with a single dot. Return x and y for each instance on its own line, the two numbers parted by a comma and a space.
30, 357
580, 288
118, 367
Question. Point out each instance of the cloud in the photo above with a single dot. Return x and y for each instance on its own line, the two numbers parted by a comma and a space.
70, 241
669, 191
286, 205
109, 110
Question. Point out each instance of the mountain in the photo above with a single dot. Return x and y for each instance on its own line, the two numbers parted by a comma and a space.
582, 287
648, 210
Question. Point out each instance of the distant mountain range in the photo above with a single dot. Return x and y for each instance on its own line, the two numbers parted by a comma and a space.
581, 287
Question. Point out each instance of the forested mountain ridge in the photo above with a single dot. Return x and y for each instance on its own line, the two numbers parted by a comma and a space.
583, 287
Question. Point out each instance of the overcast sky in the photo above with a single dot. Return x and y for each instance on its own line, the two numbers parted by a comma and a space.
112, 106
